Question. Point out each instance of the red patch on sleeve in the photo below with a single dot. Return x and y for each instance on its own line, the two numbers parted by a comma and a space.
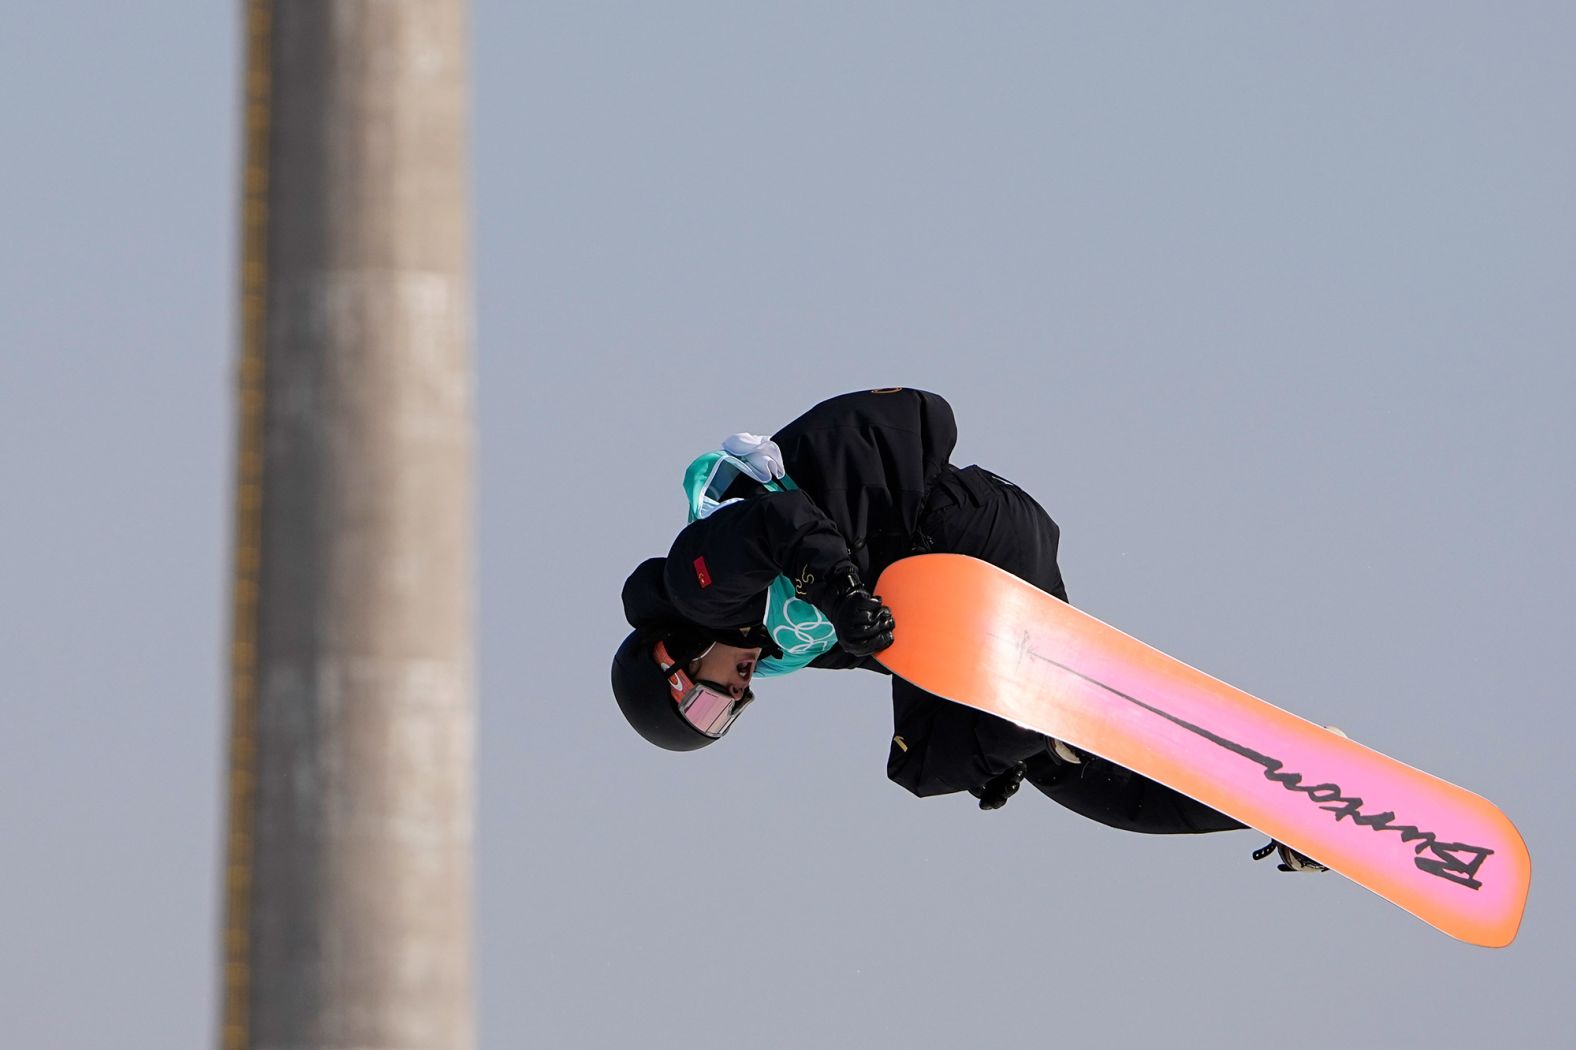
702, 573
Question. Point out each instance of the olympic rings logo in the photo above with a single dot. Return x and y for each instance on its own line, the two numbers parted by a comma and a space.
803, 630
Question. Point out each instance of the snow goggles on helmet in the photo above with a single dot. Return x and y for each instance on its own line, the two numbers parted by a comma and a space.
708, 708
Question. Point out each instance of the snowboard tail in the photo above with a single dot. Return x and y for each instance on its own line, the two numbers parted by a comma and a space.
980, 636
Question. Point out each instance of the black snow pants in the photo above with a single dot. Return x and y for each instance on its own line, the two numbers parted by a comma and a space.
940, 747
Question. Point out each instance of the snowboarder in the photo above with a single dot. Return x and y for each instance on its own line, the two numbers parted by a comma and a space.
770, 576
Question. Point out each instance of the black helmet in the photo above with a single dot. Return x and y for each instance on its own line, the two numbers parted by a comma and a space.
640, 684
643, 695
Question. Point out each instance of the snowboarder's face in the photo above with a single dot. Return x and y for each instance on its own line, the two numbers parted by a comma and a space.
726, 666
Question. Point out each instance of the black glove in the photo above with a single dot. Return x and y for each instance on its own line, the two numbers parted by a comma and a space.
864, 626
1000, 788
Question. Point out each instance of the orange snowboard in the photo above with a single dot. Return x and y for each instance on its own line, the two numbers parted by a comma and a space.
977, 635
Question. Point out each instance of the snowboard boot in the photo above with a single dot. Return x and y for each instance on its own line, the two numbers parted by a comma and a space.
1065, 752
1291, 860
1056, 764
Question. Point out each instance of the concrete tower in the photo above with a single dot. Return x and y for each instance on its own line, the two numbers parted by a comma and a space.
348, 880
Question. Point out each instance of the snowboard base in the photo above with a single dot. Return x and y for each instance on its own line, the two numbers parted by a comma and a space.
977, 635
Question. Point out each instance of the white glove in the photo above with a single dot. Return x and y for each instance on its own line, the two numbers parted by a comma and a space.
762, 459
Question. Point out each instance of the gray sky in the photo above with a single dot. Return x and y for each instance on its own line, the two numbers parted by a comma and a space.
1269, 304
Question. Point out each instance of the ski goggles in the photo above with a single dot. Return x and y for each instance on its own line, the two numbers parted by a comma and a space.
708, 708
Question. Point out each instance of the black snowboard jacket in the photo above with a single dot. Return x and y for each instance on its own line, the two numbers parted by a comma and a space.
864, 464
